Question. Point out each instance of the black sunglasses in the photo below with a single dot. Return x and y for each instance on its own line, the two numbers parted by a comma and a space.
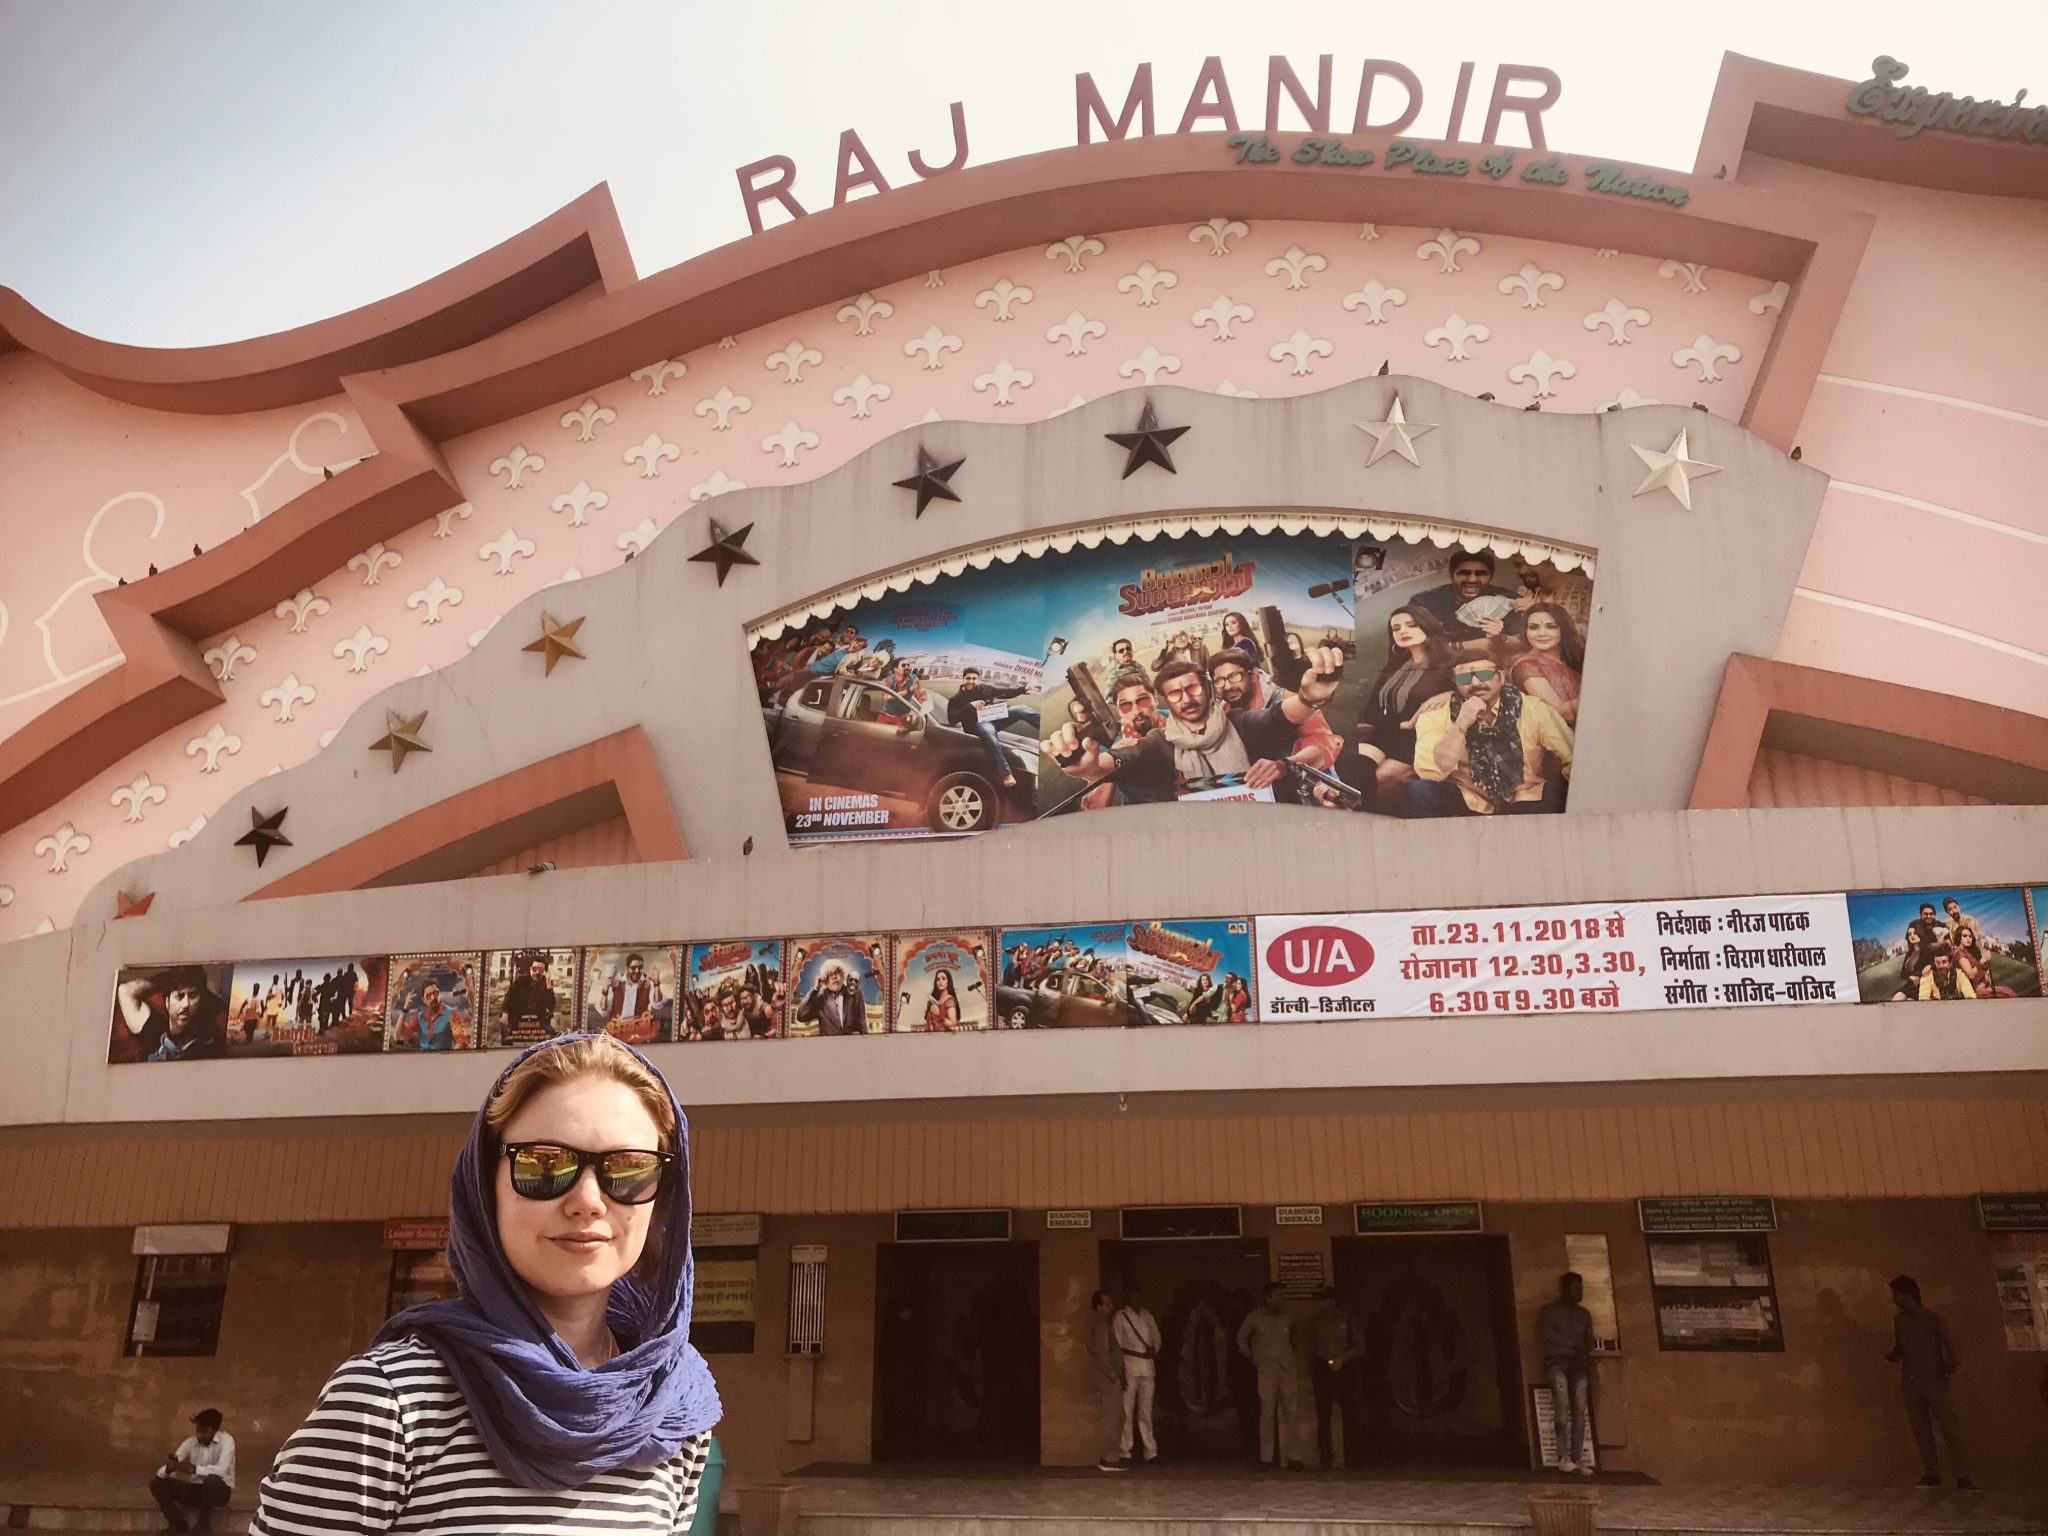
545, 1170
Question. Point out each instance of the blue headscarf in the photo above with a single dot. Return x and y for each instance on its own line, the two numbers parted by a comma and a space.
547, 1421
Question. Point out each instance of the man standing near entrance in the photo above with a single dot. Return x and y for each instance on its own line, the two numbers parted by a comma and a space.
1564, 1330
1106, 1375
1136, 1332
1926, 1354
1266, 1338
1338, 1345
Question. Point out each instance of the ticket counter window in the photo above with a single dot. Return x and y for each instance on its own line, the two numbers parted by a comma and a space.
1714, 1292
179, 1298
419, 1275
2019, 1265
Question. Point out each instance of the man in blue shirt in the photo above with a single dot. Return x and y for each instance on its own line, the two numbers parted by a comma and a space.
434, 1021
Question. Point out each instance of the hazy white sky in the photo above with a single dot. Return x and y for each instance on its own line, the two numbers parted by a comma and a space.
177, 172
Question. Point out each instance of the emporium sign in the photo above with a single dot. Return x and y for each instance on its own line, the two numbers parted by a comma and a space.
1913, 109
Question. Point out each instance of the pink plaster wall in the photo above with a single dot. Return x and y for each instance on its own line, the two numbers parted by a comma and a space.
1072, 324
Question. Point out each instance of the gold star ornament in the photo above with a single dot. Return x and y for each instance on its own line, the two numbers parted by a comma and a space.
556, 641
1395, 435
1673, 470
401, 735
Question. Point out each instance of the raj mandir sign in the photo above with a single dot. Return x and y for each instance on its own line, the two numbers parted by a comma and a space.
1914, 109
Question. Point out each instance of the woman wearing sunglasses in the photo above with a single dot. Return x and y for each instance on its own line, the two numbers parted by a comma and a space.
559, 1392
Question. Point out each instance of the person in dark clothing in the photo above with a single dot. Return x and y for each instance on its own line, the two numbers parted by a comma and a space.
1471, 574
1927, 1358
963, 713
835, 1004
1338, 1344
1564, 1333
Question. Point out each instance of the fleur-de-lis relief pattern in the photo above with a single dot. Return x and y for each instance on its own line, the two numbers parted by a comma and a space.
1459, 333
327, 736
1606, 251
1075, 331
514, 465
1772, 300
1628, 398
1368, 231
1708, 354
727, 343
862, 392
504, 549
719, 483
935, 278
792, 360
1532, 280
864, 312
1447, 247
6, 895
1003, 297
1074, 403
1148, 364
185, 834
657, 374
791, 438
59, 845
139, 794
723, 405
1540, 370
444, 520
1146, 283
361, 647
1223, 313
1218, 233
371, 562
1617, 317
1230, 389
478, 636
1076, 249
218, 741
1374, 298
579, 501
1295, 265
286, 695
1301, 347
1692, 273
226, 656
1003, 378
934, 344
651, 453
638, 537
432, 598
587, 418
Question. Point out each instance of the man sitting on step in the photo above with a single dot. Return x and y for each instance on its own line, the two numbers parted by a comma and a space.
199, 1475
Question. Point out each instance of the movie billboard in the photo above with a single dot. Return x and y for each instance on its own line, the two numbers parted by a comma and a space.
945, 981
170, 1012
1943, 944
324, 1006
1127, 974
433, 1002
733, 990
629, 990
1303, 669
529, 994
835, 985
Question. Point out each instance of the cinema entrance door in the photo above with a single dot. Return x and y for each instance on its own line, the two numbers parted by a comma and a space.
956, 1352
1441, 1373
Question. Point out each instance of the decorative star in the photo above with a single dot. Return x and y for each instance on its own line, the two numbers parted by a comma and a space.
931, 480
1395, 435
263, 834
1672, 470
401, 735
724, 550
1148, 444
555, 642
132, 906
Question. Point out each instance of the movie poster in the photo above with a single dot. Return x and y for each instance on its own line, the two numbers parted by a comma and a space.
1129, 974
529, 994
1946, 944
433, 1003
944, 981
169, 1013
317, 1007
835, 985
734, 990
629, 990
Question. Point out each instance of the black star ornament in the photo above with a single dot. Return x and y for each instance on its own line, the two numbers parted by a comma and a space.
1148, 444
931, 482
725, 550
263, 834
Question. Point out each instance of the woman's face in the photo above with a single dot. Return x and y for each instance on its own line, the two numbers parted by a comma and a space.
577, 1244
1233, 629
1543, 632
1404, 631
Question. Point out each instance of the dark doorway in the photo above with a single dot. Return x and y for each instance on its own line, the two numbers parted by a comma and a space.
1206, 1405
1442, 1373
956, 1352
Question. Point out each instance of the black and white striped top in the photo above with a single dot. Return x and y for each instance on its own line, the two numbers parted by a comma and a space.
390, 1446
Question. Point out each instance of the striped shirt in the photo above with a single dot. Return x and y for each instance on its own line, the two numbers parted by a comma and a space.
390, 1446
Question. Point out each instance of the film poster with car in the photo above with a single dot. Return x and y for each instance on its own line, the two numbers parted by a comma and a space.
1128, 974
1305, 669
